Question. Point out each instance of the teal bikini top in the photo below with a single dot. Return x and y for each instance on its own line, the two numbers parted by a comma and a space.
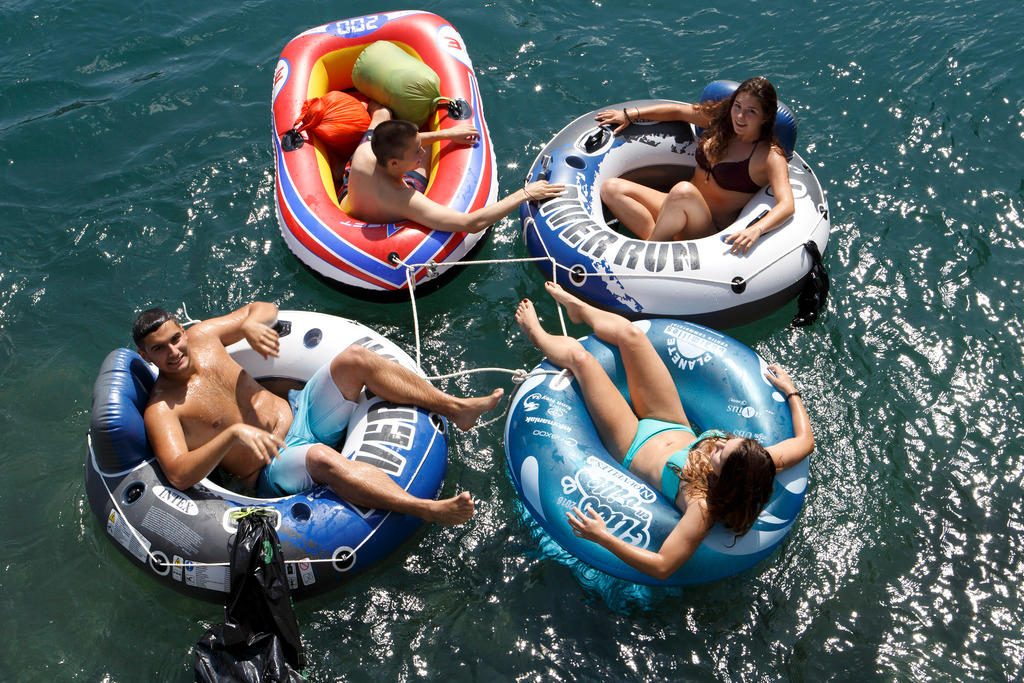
673, 469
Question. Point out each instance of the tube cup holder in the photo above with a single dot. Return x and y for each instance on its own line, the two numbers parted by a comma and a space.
301, 512
312, 338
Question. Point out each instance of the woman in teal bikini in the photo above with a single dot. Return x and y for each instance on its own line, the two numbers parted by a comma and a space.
736, 155
711, 477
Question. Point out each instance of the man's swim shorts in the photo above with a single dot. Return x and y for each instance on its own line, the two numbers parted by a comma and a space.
320, 414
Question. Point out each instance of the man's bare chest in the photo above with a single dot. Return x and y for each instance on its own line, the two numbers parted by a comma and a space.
214, 401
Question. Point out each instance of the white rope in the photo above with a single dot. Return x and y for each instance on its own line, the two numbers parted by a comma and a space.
519, 375
186, 316
411, 282
431, 267
475, 262
145, 543
554, 278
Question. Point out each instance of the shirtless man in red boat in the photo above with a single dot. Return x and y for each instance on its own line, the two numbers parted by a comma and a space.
206, 411
388, 176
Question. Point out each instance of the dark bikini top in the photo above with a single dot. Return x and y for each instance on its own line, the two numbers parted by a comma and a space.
730, 175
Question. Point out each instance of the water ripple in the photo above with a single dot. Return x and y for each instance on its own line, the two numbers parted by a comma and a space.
137, 171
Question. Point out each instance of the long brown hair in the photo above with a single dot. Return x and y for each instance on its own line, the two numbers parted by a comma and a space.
737, 495
716, 137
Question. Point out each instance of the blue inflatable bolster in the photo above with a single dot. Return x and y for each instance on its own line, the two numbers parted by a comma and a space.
119, 398
785, 122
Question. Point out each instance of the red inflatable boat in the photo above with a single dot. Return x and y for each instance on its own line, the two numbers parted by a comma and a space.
343, 249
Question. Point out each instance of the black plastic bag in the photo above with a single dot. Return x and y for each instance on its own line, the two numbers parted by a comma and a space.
259, 640
815, 292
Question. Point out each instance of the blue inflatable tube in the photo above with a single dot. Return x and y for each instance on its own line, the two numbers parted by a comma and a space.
184, 538
557, 461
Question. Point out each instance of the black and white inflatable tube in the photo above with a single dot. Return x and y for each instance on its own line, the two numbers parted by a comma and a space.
697, 280
184, 538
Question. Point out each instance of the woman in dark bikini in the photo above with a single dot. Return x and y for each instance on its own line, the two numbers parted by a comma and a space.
736, 155
710, 477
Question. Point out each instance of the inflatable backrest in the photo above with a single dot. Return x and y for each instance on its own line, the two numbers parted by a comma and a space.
119, 398
785, 122
396, 79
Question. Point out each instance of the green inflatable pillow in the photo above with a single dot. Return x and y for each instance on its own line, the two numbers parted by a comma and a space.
399, 81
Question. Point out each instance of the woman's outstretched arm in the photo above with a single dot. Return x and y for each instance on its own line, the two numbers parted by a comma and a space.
679, 547
667, 111
791, 451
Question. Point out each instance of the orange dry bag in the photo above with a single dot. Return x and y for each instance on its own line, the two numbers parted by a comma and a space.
337, 119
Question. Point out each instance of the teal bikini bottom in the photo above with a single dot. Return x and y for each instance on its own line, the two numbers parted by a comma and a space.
648, 429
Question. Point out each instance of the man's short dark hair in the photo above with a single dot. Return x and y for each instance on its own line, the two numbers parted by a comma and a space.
390, 138
148, 322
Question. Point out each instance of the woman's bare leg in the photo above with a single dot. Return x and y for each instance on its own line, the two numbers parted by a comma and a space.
684, 215
636, 206
651, 387
614, 419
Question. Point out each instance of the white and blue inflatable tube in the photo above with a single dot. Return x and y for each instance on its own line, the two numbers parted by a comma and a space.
184, 538
557, 461
697, 280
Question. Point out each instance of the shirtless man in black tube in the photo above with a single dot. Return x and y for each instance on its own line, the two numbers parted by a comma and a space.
206, 411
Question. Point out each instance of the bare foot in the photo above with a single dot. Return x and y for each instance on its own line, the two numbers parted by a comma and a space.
572, 305
451, 510
529, 323
472, 408
559, 350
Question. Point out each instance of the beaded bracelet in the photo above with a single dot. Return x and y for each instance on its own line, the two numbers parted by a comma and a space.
626, 114
794, 393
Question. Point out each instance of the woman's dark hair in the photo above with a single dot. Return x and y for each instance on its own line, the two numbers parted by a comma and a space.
737, 495
147, 322
715, 138
390, 139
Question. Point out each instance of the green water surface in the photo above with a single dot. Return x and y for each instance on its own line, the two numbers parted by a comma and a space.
135, 143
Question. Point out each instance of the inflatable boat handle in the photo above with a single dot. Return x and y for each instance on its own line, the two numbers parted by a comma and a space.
598, 139
545, 168
292, 140
754, 220
282, 327
458, 109
758, 217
